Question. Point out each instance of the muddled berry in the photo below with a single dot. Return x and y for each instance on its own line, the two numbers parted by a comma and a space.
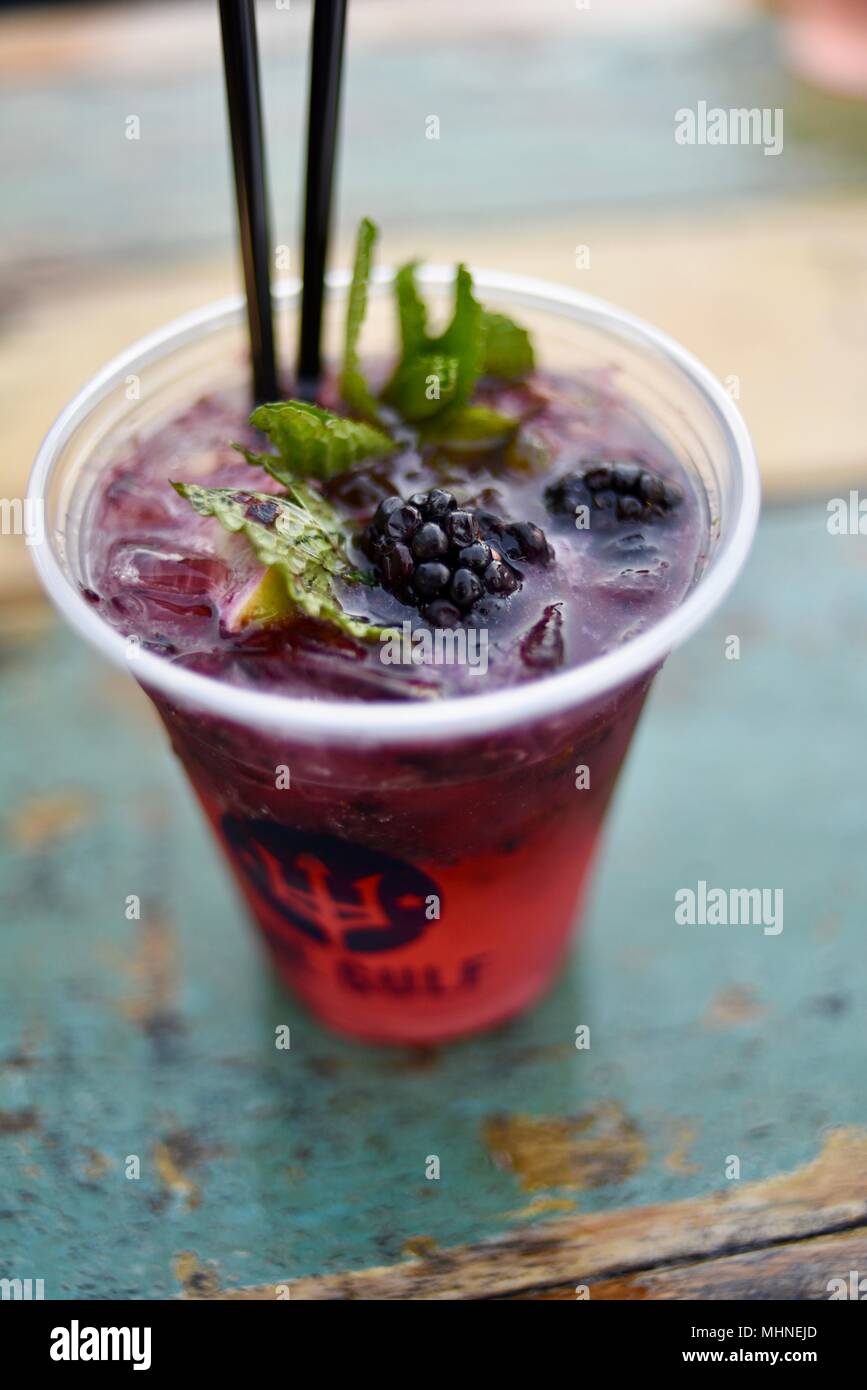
605, 501
530, 539
542, 648
518, 541
598, 478
629, 508
465, 588
429, 542
629, 547
430, 579
621, 490
651, 489
508, 546
625, 476
567, 494
446, 559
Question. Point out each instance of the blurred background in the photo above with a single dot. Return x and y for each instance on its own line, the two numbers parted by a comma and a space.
556, 133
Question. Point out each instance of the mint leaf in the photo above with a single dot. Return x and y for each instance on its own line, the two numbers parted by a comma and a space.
477, 342
463, 339
311, 442
301, 535
423, 385
453, 360
411, 312
473, 428
508, 350
353, 387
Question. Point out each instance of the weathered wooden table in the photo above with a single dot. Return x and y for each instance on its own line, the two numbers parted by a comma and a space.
607, 1167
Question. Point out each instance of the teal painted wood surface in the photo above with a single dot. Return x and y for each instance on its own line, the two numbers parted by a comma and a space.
156, 1038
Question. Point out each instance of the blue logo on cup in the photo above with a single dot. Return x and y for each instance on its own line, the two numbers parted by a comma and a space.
338, 894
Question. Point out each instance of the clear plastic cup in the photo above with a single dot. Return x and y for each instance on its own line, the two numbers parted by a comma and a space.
420, 876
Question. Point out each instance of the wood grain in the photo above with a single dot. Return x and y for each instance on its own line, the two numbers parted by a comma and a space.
632, 1249
801, 1270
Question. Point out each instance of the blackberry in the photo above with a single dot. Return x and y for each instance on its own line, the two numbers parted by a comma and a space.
516, 541
429, 542
401, 523
613, 491
465, 588
430, 579
397, 564
630, 508
445, 559
462, 529
438, 503
529, 539
385, 509
476, 556
624, 477
500, 578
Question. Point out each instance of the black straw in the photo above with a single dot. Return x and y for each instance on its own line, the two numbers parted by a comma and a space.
329, 23
241, 60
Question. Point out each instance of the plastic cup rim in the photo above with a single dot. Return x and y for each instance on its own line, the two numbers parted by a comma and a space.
358, 722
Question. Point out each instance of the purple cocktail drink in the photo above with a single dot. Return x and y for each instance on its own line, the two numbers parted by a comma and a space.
409, 761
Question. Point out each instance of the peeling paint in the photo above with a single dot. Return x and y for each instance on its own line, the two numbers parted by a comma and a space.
844, 1153
419, 1247
541, 1206
677, 1161
97, 1165
198, 1280
172, 1154
41, 820
18, 1121
732, 1005
154, 972
599, 1147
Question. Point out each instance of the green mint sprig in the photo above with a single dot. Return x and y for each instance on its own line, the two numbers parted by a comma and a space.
508, 350
434, 379
311, 442
422, 386
473, 428
353, 386
301, 536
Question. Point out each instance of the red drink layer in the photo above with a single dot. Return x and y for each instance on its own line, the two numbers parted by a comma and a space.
409, 893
